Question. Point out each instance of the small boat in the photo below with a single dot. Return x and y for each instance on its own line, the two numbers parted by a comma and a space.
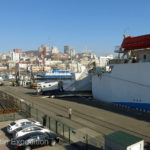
55, 74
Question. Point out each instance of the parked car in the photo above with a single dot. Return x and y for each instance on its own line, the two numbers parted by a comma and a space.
34, 140
21, 128
1, 79
1, 83
28, 129
19, 123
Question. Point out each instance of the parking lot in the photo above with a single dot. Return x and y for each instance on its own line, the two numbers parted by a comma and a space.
5, 141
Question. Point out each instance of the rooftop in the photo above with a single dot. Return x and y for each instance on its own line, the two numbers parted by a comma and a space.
123, 138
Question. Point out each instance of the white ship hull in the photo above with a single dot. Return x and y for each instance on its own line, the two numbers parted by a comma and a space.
126, 84
69, 85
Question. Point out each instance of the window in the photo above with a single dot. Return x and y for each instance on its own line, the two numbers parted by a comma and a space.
32, 139
36, 128
43, 137
25, 130
28, 122
13, 123
19, 129
144, 57
23, 123
29, 129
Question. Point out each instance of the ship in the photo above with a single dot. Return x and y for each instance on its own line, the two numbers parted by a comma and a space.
55, 74
126, 79
65, 80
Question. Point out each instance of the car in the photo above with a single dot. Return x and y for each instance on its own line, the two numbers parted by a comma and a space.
28, 129
1, 78
19, 123
21, 128
1, 83
34, 140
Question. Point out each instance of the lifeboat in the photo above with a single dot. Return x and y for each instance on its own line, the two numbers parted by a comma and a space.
138, 42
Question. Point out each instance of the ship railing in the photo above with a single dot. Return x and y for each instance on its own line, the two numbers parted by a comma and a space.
118, 49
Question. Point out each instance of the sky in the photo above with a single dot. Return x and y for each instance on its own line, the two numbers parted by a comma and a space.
96, 25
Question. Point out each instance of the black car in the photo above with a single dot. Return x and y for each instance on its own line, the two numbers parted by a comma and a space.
34, 140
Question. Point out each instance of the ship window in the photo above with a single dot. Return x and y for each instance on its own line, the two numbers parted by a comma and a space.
148, 58
144, 57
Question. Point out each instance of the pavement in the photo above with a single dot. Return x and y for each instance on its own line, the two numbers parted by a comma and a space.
5, 141
89, 117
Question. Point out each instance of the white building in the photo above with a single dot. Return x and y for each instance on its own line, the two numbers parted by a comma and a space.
44, 48
54, 50
23, 65
103, 60
72, 52
15, 56
52, 62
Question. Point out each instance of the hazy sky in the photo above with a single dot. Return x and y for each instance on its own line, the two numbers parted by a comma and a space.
96, 24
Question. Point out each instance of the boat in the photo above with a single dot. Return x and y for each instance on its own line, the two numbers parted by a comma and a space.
56, 73
126, 79
65, 80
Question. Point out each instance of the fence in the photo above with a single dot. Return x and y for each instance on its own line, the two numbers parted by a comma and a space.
72, 136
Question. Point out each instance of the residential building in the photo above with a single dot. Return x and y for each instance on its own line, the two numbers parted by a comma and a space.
15, 56
17, 50
67, 49
54, 50
44, 48
72, 52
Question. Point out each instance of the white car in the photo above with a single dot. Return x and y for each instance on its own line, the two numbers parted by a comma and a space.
1, 79
19, 123
29, 129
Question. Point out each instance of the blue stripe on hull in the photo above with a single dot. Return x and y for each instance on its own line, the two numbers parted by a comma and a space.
144, 106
